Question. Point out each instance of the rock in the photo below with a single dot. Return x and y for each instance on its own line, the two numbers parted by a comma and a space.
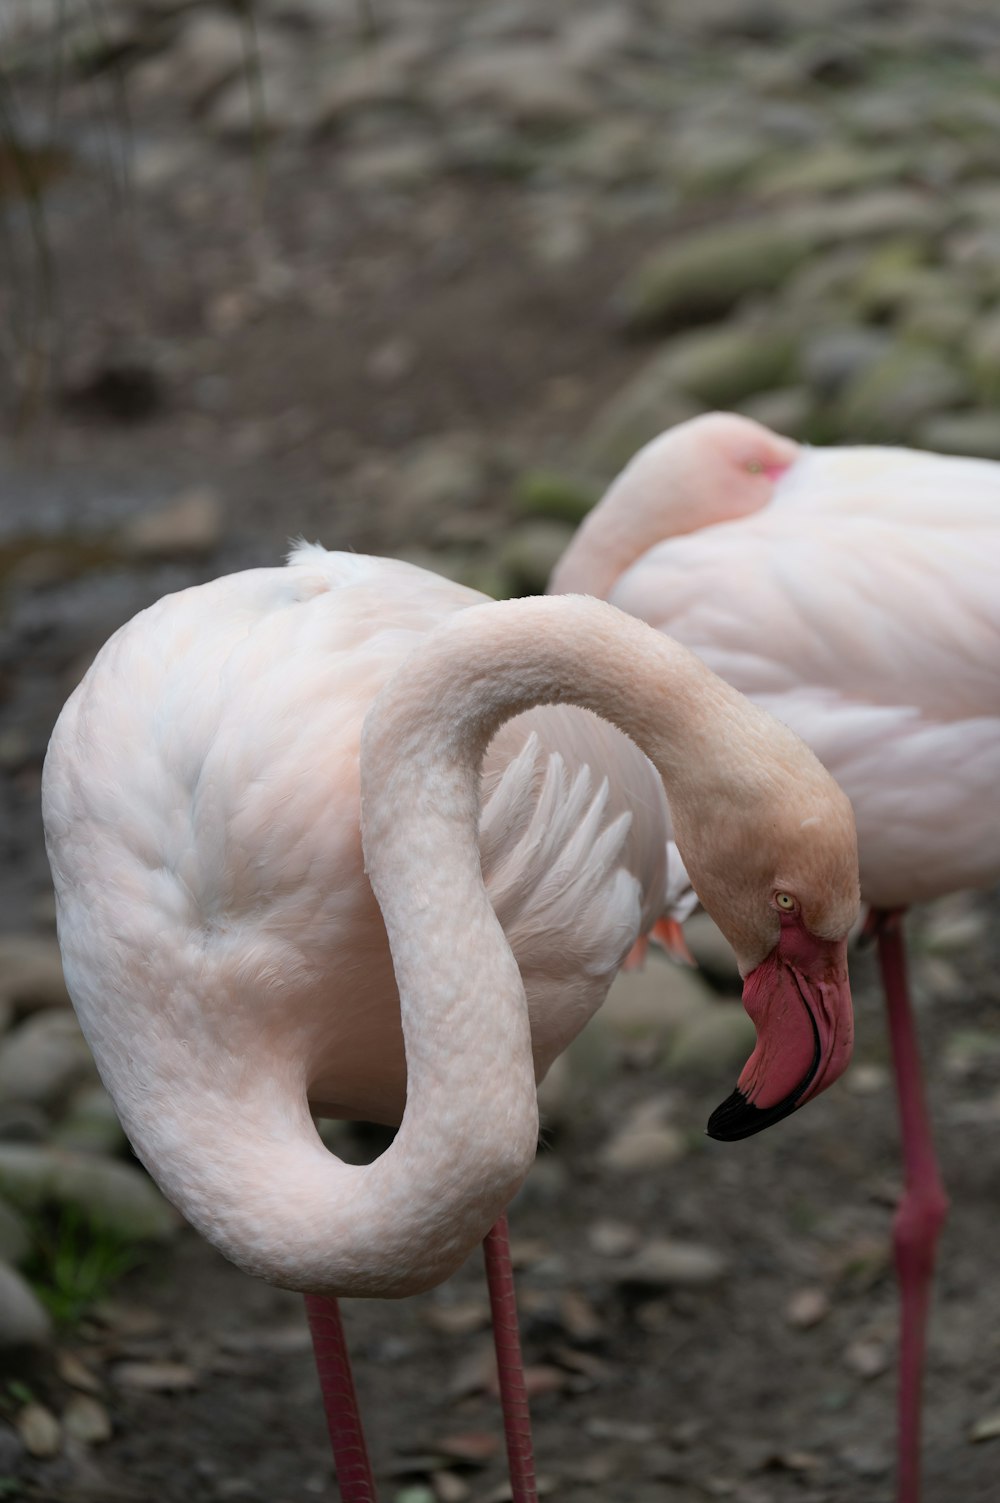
830, 167
833, 357
527, 84
91, 1124
806, 1308
713, 952
436, 476
724, 364
112, 1195
23, 1320
210, 50
987, 1428
663, 1264
612, 1239
39, 1431
31, 974
394, 165
87, 1420
650, 402
704, 274
643, 1150
888, 402
76, 1373
21, 1123
189, 526
43, 1059
716, 1039
380, 77
15, 1239
550, 493
530, 553
654, 1002
873, 215
867, 1358
788, 410
155, 1377
954, 923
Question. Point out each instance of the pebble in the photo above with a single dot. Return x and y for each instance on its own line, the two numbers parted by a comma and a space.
869, 1359
807, 1308
613, 1239
654, 1002
87, 1420
39, 1431
43, 1059
155, 1377
23, 1319
114, 1194
987, 1428
643, 1150
189, 526
719, 1038
31, 974
665, 1264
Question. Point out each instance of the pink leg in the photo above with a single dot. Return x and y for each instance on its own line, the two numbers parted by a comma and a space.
513, 1393
924, 1205
340, 1401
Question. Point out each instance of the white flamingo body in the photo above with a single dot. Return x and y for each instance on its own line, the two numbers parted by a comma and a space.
220, 941
858, 601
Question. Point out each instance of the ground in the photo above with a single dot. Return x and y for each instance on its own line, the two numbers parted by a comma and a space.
374, 315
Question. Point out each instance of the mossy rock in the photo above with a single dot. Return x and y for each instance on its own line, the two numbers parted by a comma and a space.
110, 1194
975, 433
550, 493
888, 402
704, 274
727, 363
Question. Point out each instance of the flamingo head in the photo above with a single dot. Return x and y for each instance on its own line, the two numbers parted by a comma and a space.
781, 881
733, 462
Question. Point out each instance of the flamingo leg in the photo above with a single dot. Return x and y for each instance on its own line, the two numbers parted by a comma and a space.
923, 1208
510, 1369
340, 1401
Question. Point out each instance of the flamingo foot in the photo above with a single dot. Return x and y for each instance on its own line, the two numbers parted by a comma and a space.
340, 1401
923, 1208
510, 1369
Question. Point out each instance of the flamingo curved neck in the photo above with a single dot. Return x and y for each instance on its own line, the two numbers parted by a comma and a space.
469, 1130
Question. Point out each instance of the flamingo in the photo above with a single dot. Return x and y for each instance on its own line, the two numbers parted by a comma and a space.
855, 593
243, 754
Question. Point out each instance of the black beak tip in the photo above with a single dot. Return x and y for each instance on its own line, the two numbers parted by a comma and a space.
737, 1118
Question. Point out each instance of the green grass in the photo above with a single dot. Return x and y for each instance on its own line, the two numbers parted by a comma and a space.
76, 1262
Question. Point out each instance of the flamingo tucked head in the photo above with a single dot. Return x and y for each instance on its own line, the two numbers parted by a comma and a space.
711, 469
776, 866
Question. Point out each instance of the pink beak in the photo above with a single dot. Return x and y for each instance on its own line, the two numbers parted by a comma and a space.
800, 1001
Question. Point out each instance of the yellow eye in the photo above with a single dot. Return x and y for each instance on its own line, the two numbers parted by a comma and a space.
785, 900
754, 467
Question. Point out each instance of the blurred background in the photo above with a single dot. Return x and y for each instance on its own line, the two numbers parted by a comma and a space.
416, 277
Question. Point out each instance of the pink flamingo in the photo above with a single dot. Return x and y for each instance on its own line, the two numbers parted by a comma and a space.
855, 593
238, 759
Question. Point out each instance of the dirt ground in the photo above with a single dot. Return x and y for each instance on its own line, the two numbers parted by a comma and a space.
290, 347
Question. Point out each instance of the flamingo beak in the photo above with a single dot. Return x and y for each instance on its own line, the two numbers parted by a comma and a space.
799, 999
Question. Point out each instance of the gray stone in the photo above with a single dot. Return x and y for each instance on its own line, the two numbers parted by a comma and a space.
552, 494
787, 409
87, 1420
702, 275
31, 972
833, 357
719, 1039
531, 551
43, 1059
643, 1150
644, 407
667, 1264
113, 1195
90, 1124
888, 402
39, 1431
23, 1321
526, 83
722, 365
713, 952
831, 167
189, 526
976, 433
653, 1002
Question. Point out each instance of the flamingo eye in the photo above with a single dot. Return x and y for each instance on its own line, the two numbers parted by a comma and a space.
754, 467
785, 902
